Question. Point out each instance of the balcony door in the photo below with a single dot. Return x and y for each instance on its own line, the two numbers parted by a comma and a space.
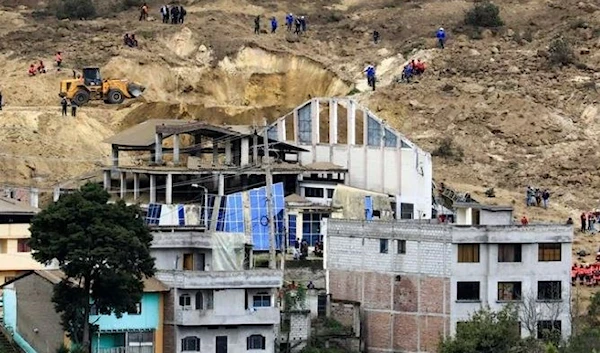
221, 344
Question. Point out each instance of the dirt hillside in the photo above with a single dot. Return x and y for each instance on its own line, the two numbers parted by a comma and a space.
518, 120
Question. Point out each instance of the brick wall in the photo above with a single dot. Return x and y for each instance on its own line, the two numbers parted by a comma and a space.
169, 339
299, 326
344, 313
35, 310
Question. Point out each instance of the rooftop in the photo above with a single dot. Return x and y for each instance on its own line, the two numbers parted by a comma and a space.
14, 207
491, 208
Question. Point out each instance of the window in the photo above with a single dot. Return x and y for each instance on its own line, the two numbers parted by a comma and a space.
190, 344
401, 246
549, 252
188, 262
383, 246
509, 253
199, 301
304, 124
208, 296
468, 252
138, 339
508, 291
313, 192
261, 300
467, 290
547, 329
311, 227
390, 139
9, 278
137, 310
373, 132
549, 290
256, 342
407, 210
185, 300
330, 193
23, 246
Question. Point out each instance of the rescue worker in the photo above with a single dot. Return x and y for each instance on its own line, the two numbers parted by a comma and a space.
289, 20
31, 70
419, 67
58, 60
174, 15
0, 100
144, 12
298, 25
375, 37
371, 76
441, 37
41, 68
182, 14
164, 11
407, 73
134, 42
73, 109
257, 25
273, 25
63, 104
303, 23
127, 40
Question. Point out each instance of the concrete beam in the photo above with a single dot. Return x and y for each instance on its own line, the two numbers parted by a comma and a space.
245, 152
158, 139
228, 153
221, 185
106, 180
136, 186
152, 188
314, 120
169, 189
115, 156
123, 185
295, 115
281, 130
333, 122
176, 149
351, 122
215, 152
255, 149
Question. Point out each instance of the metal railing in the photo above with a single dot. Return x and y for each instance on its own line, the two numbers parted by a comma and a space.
131, 349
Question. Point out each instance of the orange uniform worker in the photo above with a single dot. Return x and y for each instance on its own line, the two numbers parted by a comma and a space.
58, 60
31, 70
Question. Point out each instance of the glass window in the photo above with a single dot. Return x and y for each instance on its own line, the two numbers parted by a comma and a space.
23, 246
549, 251
468, 252
549, 290
330, 193
261, 300
373, 132
145, 338
185, 300
311, 227
313, 192
390, 139
137, 310
383, 246
401, 246
256, 342
407, 210
190, 344
509, 291
304, 124
509, 253
548, 329
467, 290
199, 301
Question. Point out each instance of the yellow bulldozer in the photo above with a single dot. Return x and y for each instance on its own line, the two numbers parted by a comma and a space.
90, 86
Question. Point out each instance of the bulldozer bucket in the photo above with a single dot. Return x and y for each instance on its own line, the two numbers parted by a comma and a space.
135, 90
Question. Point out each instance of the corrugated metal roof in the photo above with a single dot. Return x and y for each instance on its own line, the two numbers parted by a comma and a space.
10, 206
141, 135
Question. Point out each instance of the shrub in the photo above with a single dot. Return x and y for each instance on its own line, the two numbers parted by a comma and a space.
75, 9
560, 52
127, 4
447, 149
484, 14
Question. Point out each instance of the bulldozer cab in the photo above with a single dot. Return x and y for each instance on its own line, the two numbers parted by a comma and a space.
91, 76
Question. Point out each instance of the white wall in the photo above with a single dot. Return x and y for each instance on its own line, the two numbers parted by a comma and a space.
236, 337
165, 259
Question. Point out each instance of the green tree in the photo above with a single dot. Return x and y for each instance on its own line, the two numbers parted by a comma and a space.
486, 332
103, 249
484, 14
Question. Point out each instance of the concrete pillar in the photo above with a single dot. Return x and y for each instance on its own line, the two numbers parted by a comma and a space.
245, 152
56, 194
221, 184
169, 189
152, 188
365, 128
215, 152
314, 120
158, 148
228, 152
107, 180
333, 122
176, 149
115, 156
255, 149
281, 130
123, 185
34, 197
351, 122
136, 186
295, 126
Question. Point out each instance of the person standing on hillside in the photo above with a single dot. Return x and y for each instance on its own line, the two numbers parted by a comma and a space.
164, 11
63, 104
371, 76
303, 23
58, 60
297, 25
174, 15
182, 14
0, 100
273, 24
289, 20
375, 37
441, 37
144, 12
73, 109
257, 25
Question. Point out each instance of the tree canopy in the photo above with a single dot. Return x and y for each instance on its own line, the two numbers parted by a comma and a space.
103, 249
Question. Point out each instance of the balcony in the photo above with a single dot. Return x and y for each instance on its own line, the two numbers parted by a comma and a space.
181, 239
261, 316
260, 278
14, 231
498, 234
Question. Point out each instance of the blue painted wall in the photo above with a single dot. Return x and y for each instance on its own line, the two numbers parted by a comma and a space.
9, 301
148, 319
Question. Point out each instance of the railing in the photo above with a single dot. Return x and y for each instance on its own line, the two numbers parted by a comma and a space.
258, 316
133, 349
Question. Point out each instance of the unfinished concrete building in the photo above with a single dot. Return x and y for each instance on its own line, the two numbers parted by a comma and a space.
417, 282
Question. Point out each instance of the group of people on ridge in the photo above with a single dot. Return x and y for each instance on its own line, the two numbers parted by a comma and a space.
174, 15
537, 197
298, 23
37, 69
130, 41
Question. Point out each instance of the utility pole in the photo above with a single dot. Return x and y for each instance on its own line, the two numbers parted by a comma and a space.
269, 176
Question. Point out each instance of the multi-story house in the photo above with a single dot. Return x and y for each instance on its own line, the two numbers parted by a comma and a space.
417, 281
15, 254
30, 317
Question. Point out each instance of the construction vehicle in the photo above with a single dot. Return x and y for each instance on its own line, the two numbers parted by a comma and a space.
90, 86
